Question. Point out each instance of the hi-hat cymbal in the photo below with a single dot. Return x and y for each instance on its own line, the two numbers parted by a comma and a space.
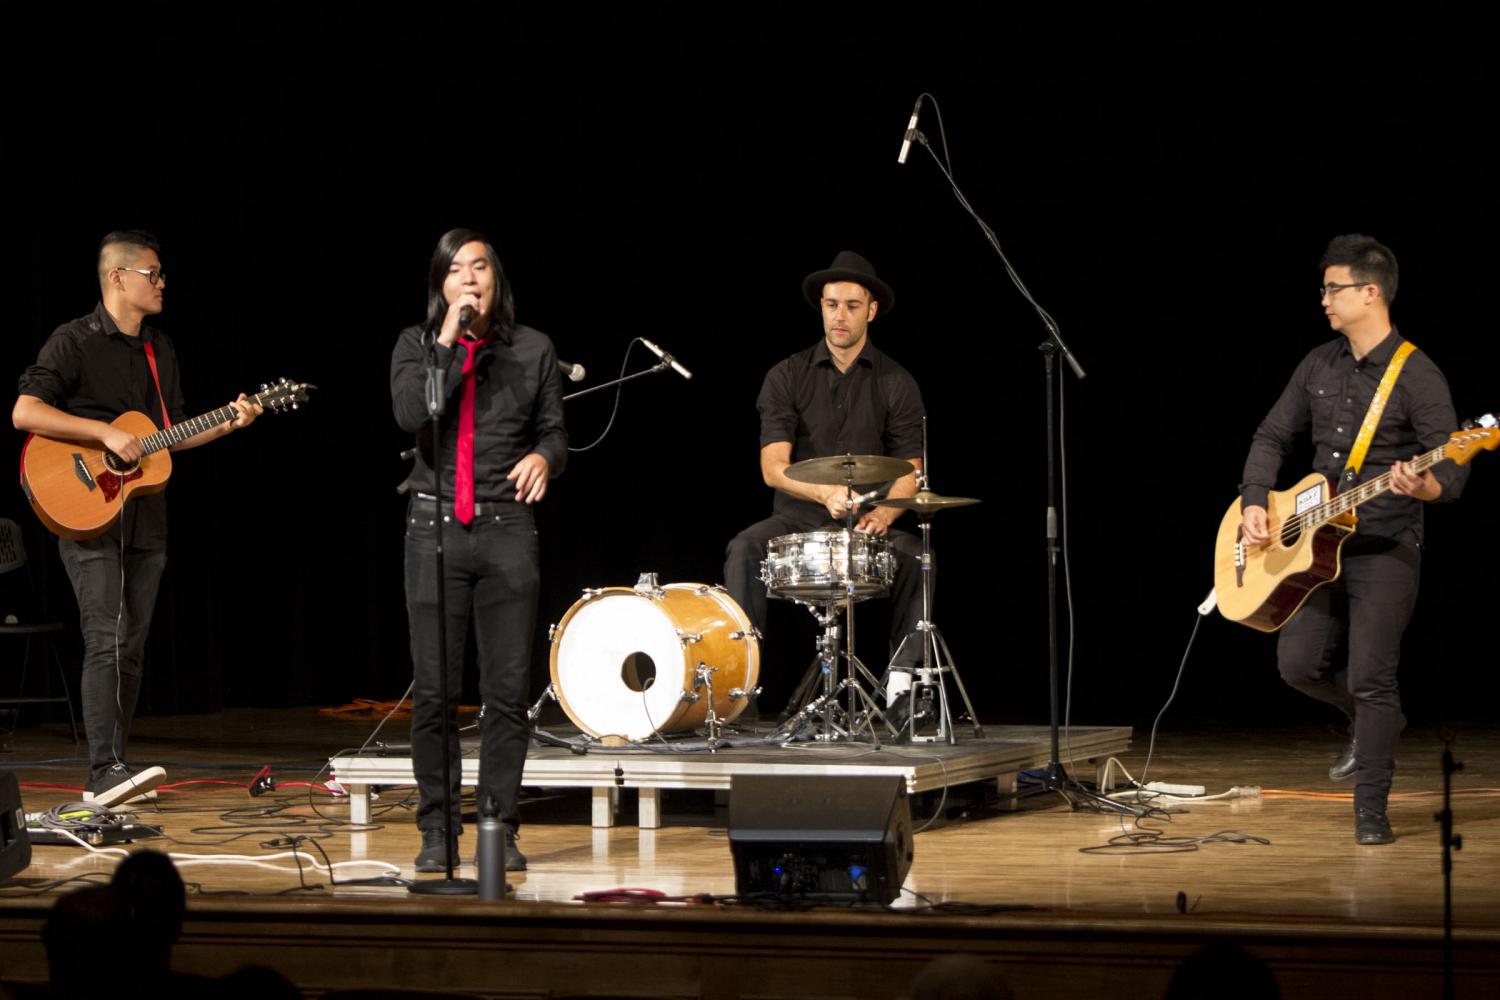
927, 502
838, 469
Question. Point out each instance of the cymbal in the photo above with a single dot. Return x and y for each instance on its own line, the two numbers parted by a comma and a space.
836, 470
927, 502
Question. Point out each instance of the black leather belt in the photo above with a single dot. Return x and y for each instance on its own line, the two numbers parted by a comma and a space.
488, 508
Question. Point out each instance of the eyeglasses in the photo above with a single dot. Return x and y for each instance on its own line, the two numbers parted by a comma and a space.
1331, 287
155, 277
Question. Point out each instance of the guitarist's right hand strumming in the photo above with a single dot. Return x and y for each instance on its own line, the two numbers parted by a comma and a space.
123, 444
1254, 526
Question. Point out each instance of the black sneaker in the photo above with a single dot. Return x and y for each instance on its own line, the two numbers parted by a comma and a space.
515, 861
433, 857
120, 785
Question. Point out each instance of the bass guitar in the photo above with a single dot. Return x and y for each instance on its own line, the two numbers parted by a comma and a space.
1262, 586
78, 488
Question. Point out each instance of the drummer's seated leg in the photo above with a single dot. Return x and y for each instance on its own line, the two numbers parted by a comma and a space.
742, 558
906, 599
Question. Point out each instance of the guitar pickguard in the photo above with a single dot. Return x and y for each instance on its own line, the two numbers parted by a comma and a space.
111, 482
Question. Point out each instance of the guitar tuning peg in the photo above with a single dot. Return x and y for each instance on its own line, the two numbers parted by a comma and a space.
264, 387
294, 406
281, 381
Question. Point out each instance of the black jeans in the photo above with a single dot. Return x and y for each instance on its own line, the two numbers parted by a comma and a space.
1367, 609
97, 568
492, 580
746, 551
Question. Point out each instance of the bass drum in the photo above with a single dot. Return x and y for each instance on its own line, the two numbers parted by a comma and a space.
625, 660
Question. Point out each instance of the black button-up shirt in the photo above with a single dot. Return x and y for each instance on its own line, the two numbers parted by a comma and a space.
518, 408
88, 368
1328, 395
874, 408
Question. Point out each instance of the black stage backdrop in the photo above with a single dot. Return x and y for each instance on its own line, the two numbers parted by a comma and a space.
1164, 184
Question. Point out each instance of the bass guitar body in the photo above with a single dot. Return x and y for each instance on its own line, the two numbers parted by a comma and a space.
78, 489
1262, 586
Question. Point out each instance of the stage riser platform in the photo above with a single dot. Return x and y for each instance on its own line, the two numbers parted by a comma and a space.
607, 772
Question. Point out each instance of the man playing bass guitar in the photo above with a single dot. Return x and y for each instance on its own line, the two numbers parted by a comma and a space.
1368, 607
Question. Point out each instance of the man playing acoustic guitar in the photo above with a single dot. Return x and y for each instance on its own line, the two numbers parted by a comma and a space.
1368, 606
89, 372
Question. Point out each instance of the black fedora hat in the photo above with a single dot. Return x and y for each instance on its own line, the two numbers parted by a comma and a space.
849, 266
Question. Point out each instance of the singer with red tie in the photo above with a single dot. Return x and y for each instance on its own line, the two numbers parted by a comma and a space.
501, 439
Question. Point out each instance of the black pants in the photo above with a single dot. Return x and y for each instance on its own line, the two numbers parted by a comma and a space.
101, 572
746, 551
492, 580
1367, 609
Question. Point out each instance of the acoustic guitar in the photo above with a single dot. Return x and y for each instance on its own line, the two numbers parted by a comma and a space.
78, 488
1262, 586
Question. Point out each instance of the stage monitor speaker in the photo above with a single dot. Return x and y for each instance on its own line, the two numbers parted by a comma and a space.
15, 848
826, 837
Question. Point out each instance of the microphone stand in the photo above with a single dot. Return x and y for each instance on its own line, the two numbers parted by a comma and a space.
448, 885
660, 366
1054, 777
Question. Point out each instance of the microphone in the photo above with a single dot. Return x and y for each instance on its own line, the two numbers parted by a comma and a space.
911, 127
465, 317
676, 365
574, 373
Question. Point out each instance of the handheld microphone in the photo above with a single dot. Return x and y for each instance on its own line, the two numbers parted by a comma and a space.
676, 365
911, 127
574, 373
465, 317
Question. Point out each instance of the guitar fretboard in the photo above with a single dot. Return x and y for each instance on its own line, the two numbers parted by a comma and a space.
180, 432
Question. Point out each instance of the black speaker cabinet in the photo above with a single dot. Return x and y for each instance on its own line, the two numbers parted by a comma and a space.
15, 848
820, 836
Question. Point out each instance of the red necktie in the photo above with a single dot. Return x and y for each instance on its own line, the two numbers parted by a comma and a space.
463, 468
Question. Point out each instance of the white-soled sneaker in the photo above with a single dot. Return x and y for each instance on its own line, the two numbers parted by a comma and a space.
120, 785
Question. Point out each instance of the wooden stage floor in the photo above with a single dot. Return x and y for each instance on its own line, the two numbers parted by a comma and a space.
1018, 885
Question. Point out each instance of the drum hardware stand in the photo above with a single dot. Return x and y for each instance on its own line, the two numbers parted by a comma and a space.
937, 659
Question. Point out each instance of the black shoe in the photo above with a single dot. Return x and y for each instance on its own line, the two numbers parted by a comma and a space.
1344, 767
433, 857
515, 861
907, 725
120, 784
1371, 827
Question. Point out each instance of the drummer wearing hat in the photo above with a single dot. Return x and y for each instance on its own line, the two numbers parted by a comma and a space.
840, 396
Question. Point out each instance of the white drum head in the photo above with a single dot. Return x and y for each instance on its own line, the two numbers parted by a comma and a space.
620, 666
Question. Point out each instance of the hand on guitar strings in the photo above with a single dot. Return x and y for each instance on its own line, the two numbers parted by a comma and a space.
1254, 527
1423, 486
245, 412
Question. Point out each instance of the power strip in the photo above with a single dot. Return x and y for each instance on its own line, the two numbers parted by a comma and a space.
1166, 789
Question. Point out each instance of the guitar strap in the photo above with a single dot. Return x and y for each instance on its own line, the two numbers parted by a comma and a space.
1377, 407
165, 418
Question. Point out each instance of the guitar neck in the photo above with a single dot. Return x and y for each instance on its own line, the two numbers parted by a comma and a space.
180, 432
1346, 502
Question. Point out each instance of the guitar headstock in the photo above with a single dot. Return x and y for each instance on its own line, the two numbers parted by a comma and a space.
283, 395
1478, 435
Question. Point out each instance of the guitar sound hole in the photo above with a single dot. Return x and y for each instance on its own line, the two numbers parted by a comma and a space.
114, 463
1289, 535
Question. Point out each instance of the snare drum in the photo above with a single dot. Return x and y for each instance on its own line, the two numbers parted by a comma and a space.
821, 565
625, 661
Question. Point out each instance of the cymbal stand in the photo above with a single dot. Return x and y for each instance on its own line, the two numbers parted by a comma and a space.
937, 659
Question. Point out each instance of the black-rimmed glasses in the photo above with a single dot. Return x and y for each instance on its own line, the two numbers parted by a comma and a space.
1334, 286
